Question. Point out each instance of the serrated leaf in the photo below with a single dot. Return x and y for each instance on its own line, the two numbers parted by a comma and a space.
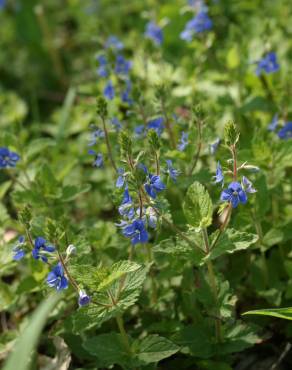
71, 192
281, 313
197, 206
116, 292
109, 349
154, 348
232, 241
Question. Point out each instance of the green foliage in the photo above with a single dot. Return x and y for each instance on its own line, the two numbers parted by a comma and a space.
198, 206
281, 313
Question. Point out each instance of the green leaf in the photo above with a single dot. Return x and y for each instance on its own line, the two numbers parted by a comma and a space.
281, 313
197, 206
37, 146
114, 293
109, 349
71, 192
278, 235
231, 241
154, 348
233, 58
22, 354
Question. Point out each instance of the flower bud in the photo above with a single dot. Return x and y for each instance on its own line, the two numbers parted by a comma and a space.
71, 249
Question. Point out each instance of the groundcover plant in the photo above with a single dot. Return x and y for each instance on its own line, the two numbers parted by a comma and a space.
146, 184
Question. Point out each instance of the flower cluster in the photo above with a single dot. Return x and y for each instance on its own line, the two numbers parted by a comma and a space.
42, 250
285, 132
120, 69
136, 211
236, 192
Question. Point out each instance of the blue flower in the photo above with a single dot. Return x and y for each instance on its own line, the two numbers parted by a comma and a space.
83, 299
126, 208
200, 23
102, 69
183, 141
153, 185
123, 66
125, 94
273, 125
139, 130
114, 43
267, 64
214, 146
156, 124
116, 123
234, 194
121, 179
7, 158
109, 90
98, 161
41, 249
219, 177
151, 217
136, 232
96, 134
247, 185
154, 32
286, 131
173, 173
18, 251
56, 278
2, 4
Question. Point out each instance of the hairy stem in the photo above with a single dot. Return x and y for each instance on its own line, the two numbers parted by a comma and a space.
199, 147
108, 145
152, 276
213, 286
121, 326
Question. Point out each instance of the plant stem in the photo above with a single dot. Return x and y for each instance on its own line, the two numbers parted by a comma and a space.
199, 147
109, 151
213, 286
153, 282
223, 226
168, 125
121, 326
157, 163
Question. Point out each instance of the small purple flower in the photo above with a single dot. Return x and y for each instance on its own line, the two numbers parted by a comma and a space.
151, 217
125, 94
83, 299
102, 68
247, 185
8, 159
286, 132
109, 91
154, 185
96, 134
126, 208
116, 123
200, 23
219, 177
234, 194
267, 64
98, 161
183, 141
154, 33
114, 43
2, 4
121, 179
41, 249
18, 251
214, 146
173, 173
156, 124
139, 130
273, 125
56, 278
136, 231
123, 66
